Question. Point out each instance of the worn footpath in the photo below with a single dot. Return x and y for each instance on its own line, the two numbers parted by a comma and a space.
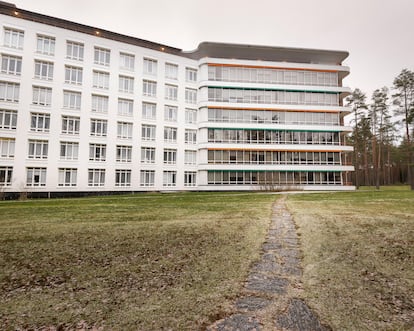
269, 299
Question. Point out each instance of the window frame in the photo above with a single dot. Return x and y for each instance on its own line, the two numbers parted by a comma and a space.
72, 122
67, 177
47, 44
69, 150
38, 149
15, 40
75, 50
11, 64
73, 75
97, 152
102, 56
42, 122
37, 178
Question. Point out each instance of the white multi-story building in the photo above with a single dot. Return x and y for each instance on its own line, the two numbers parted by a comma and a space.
88, 110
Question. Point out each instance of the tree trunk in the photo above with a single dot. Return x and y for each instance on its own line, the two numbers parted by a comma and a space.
366, 173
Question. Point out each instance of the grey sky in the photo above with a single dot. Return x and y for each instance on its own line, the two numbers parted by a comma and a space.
376, 33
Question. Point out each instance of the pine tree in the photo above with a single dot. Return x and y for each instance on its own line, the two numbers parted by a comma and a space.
404, 100
378, 113
357, 102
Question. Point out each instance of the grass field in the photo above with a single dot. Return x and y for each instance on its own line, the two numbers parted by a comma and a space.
358, 257
178, 261
142, 262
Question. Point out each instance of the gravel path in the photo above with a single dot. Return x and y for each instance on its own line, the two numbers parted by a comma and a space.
269, 298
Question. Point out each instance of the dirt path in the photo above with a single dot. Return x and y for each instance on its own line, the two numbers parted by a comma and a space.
269, 300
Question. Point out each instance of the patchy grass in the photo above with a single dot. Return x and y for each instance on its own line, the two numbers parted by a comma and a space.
142, 262
358, 257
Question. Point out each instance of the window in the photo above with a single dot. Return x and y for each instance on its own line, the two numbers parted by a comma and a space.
126, 84
190, 116
149, 110
126, 61
148, 132
13, 38
190, 136
11, 65
38, 149
6, 174
170, 134
74, 50
101, 80
69, 150
99, 127
125, 107
96, 177
45, 45
97, 152
190, 157
149, 88
42, 96
124, 130
190, 96
102, 56
123, 153
39, 122
171, 71
43, 70
122, 177
170, 156
169, 178
67, 177
171, 92
72, 100
190, 75
170, 113
190, 178
7, 147
150, 67
9, 91
147, 178
147, 155
73, 75
8, 119
99, 103
36, 177
70, 125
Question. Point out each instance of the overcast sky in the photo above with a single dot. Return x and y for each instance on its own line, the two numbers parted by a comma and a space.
378, 34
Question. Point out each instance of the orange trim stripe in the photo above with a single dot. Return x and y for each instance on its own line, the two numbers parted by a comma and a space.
265, 67
277, 109
270, 150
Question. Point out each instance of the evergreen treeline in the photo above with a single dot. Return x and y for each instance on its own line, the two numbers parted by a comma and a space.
383, 134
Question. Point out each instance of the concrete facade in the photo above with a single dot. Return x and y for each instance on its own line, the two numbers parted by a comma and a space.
88, 110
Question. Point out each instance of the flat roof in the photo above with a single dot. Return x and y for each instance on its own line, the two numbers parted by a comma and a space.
267, 53
205, 49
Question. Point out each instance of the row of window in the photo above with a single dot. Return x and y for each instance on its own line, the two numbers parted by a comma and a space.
273, 117
10, 91
96, 177
272, 97
272, 75
14, 38
39, 149
250, 136
273, 157
276, 178
41, 121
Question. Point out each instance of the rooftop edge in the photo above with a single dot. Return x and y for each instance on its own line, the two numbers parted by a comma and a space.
204, 49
